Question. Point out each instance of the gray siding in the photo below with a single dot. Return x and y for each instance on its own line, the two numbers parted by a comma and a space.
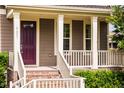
103, 35
6, 31
47, 57
77, 35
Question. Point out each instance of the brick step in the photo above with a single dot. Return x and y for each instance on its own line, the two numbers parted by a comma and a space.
30, 77
43, 75
40, 74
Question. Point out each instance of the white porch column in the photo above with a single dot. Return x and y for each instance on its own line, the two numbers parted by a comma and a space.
60, 32
16, 26
94, 44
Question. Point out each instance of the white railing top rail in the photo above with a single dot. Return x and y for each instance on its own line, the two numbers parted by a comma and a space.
91, 51
111, 51
73, 76
23, 67
27, 84
77, 50
22, 63
76, 78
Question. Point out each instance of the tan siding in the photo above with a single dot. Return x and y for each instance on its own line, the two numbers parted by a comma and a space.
103, 35
6, 30
77, 35
47, 57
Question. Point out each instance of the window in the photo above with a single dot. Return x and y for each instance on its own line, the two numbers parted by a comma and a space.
88, 37
66, 38
113, 45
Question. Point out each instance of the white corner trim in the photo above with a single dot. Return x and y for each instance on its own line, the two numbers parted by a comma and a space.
37, 41
55, 37
70, 35
3, 11
84, 34
108, 30
70, 38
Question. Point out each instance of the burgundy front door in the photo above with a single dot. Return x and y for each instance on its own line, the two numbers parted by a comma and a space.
28, 42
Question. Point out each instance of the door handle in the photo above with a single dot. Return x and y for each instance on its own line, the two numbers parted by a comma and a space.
21, 52
21, 48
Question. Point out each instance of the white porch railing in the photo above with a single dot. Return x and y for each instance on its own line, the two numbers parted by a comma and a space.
56, 83
110, 58
21, 73
78, 57
83, 58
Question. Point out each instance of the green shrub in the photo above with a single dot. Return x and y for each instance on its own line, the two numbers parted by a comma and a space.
3, 68
102, 78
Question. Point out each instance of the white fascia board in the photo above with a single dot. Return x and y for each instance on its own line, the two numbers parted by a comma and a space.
63, 8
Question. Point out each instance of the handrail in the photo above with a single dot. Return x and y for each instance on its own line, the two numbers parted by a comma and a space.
64, 60
23, 67
27, 84
20, 56
21, 72
17, 83
63, 65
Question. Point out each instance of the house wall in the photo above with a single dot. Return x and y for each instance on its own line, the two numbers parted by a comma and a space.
77, 35
103, 35
47, 57
6, 33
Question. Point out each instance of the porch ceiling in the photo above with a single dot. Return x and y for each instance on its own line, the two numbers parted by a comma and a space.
32, 16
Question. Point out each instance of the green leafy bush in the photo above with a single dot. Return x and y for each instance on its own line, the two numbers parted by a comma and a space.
102, 78
3, 68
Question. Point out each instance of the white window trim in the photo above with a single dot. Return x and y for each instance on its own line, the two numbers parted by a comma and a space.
85, 35
70, 38
55, 36
84, 44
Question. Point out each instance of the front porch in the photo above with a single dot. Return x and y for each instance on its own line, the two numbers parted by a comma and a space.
62, 40
53, 32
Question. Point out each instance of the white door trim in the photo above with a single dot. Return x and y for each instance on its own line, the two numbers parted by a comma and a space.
37, 39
